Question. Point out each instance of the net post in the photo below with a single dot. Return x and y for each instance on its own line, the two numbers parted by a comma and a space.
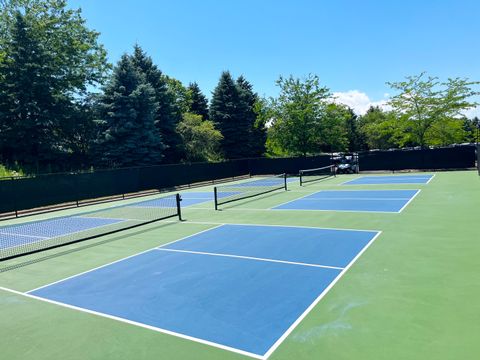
178, 198
300, 174
215, 197
285, 181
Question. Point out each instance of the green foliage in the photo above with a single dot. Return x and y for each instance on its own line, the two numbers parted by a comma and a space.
198, 103
227, 110
48, 58
200, 138
31, 101
6, 172
79, 132
448, 131
127, 119
381, 129
247, 114
171, 99
334, 135
78, 60
472, 130
296, 116
424, 101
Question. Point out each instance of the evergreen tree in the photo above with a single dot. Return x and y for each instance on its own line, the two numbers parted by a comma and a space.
198, 103
168, 114
30, 104
257, 133
128, 108
79, 132
226, 111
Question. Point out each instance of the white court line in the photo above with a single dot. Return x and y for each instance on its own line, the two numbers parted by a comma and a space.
131, 322
344, 191
341, 211
317, 300
29, 236
274, 209
350, 199
346, 182
390, 183
103, 218
301, 197
53, 237
431, 178
194, 198
269, 225
251, 258
409, 201
264, 357
116, 261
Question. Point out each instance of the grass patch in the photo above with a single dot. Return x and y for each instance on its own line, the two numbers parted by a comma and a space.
4, 172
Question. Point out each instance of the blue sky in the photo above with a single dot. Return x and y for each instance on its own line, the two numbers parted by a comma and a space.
353, 46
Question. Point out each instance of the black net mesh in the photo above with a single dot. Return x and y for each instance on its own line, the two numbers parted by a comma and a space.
31, 237
309, 175
228, 193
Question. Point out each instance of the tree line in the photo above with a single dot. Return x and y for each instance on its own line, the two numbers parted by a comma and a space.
64, 107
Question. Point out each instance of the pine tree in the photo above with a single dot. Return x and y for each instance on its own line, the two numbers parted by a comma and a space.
198, 101
128, 108
167, 115
257, 133
30, 105
226, 111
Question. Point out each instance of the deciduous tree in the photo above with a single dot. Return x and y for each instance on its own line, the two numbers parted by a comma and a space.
423, 101
200, 138
296, 115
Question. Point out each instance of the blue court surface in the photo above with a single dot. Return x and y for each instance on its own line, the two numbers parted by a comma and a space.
391, 201
237, 287
16, 235
193, 198
393, 179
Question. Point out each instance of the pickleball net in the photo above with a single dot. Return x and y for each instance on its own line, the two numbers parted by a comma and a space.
36, 236
235, 192
317, 174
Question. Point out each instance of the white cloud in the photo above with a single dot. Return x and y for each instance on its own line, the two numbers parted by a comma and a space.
359, 101
471, 113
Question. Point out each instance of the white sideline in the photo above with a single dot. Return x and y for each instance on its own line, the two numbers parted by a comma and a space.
130, 322
317, 300
206, 342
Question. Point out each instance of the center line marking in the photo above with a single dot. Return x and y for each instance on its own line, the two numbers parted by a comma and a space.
251, 258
